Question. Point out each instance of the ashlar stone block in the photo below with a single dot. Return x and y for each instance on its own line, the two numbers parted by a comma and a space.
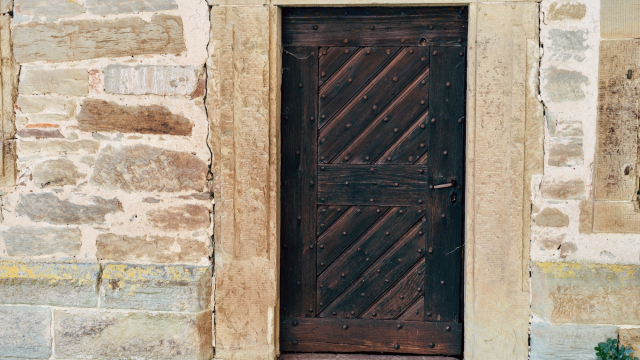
146, 168
586, 293
71, 82
152, 287
49, 283
180, 218
147, 79
35, 241
89, 39
156, 249
139, 335
25, 332
568, 341
49, 208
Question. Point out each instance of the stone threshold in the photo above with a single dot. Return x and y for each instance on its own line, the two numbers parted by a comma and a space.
358, 357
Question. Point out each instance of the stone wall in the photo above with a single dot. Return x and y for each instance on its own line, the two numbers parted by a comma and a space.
106, 239
585, 247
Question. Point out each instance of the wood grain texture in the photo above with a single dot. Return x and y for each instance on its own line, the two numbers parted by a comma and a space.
445, 205
616, 173
298, 231
362, 335
383, 185
375, 26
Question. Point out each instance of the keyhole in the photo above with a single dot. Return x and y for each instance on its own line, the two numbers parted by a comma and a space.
454, 197
423, 42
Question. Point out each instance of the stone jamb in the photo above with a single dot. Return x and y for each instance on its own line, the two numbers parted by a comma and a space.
504, 149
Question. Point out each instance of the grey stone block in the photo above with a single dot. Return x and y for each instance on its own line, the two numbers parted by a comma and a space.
25, 332
568, 341
36, 241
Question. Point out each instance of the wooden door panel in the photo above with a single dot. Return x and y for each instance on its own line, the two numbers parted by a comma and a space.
390, 227
373, 181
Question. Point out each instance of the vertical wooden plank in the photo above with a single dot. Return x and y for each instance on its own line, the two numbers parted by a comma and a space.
299, 196
617, 131
445, 205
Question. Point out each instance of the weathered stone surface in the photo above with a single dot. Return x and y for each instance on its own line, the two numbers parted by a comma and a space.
152, 287
586, 293
49, 208
619, 19
563, 190
106, 116
630, 337
49, 283
66, 108
157, 249
310, 356
616, 171
58, 172
563, 85
140, 335
35, 241
586, 217
47, 10
72, 82
88, 39
616, 217
146, 168
57, 147
6, 6
566, 152
25, 332
39, 133
8, 177
10, 71
105, 7
568, 341
147, 79
568, 44
552, 218
566, 11
180, 218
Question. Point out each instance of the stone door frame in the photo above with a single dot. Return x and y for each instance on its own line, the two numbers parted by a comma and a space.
504, 150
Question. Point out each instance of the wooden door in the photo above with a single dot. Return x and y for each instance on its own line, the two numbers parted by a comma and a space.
373, 124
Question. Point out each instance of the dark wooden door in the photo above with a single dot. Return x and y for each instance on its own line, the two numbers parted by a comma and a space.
373, 124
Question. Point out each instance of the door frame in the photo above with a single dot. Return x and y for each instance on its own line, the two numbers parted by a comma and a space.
503, 152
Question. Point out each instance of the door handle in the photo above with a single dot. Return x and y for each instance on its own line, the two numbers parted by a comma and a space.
447, 185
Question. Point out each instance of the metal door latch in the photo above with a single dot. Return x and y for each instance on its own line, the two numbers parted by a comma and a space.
444, 186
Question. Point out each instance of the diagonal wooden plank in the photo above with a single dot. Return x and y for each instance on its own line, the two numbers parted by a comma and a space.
327, 215
332, 59
358, 113
365, 251
344, 232
390, 125
400, 297
415, 312
378, 278
298, 231
411, 146
356, 73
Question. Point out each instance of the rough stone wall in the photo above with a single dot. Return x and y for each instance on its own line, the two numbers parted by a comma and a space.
585, 248
106, 239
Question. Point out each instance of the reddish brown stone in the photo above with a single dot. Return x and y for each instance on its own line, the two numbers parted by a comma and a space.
158, 249
39, 133
105, 116
183, 217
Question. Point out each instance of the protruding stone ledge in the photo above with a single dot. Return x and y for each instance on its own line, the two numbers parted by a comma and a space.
49, 283
153, 287
586, 293
125, 335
